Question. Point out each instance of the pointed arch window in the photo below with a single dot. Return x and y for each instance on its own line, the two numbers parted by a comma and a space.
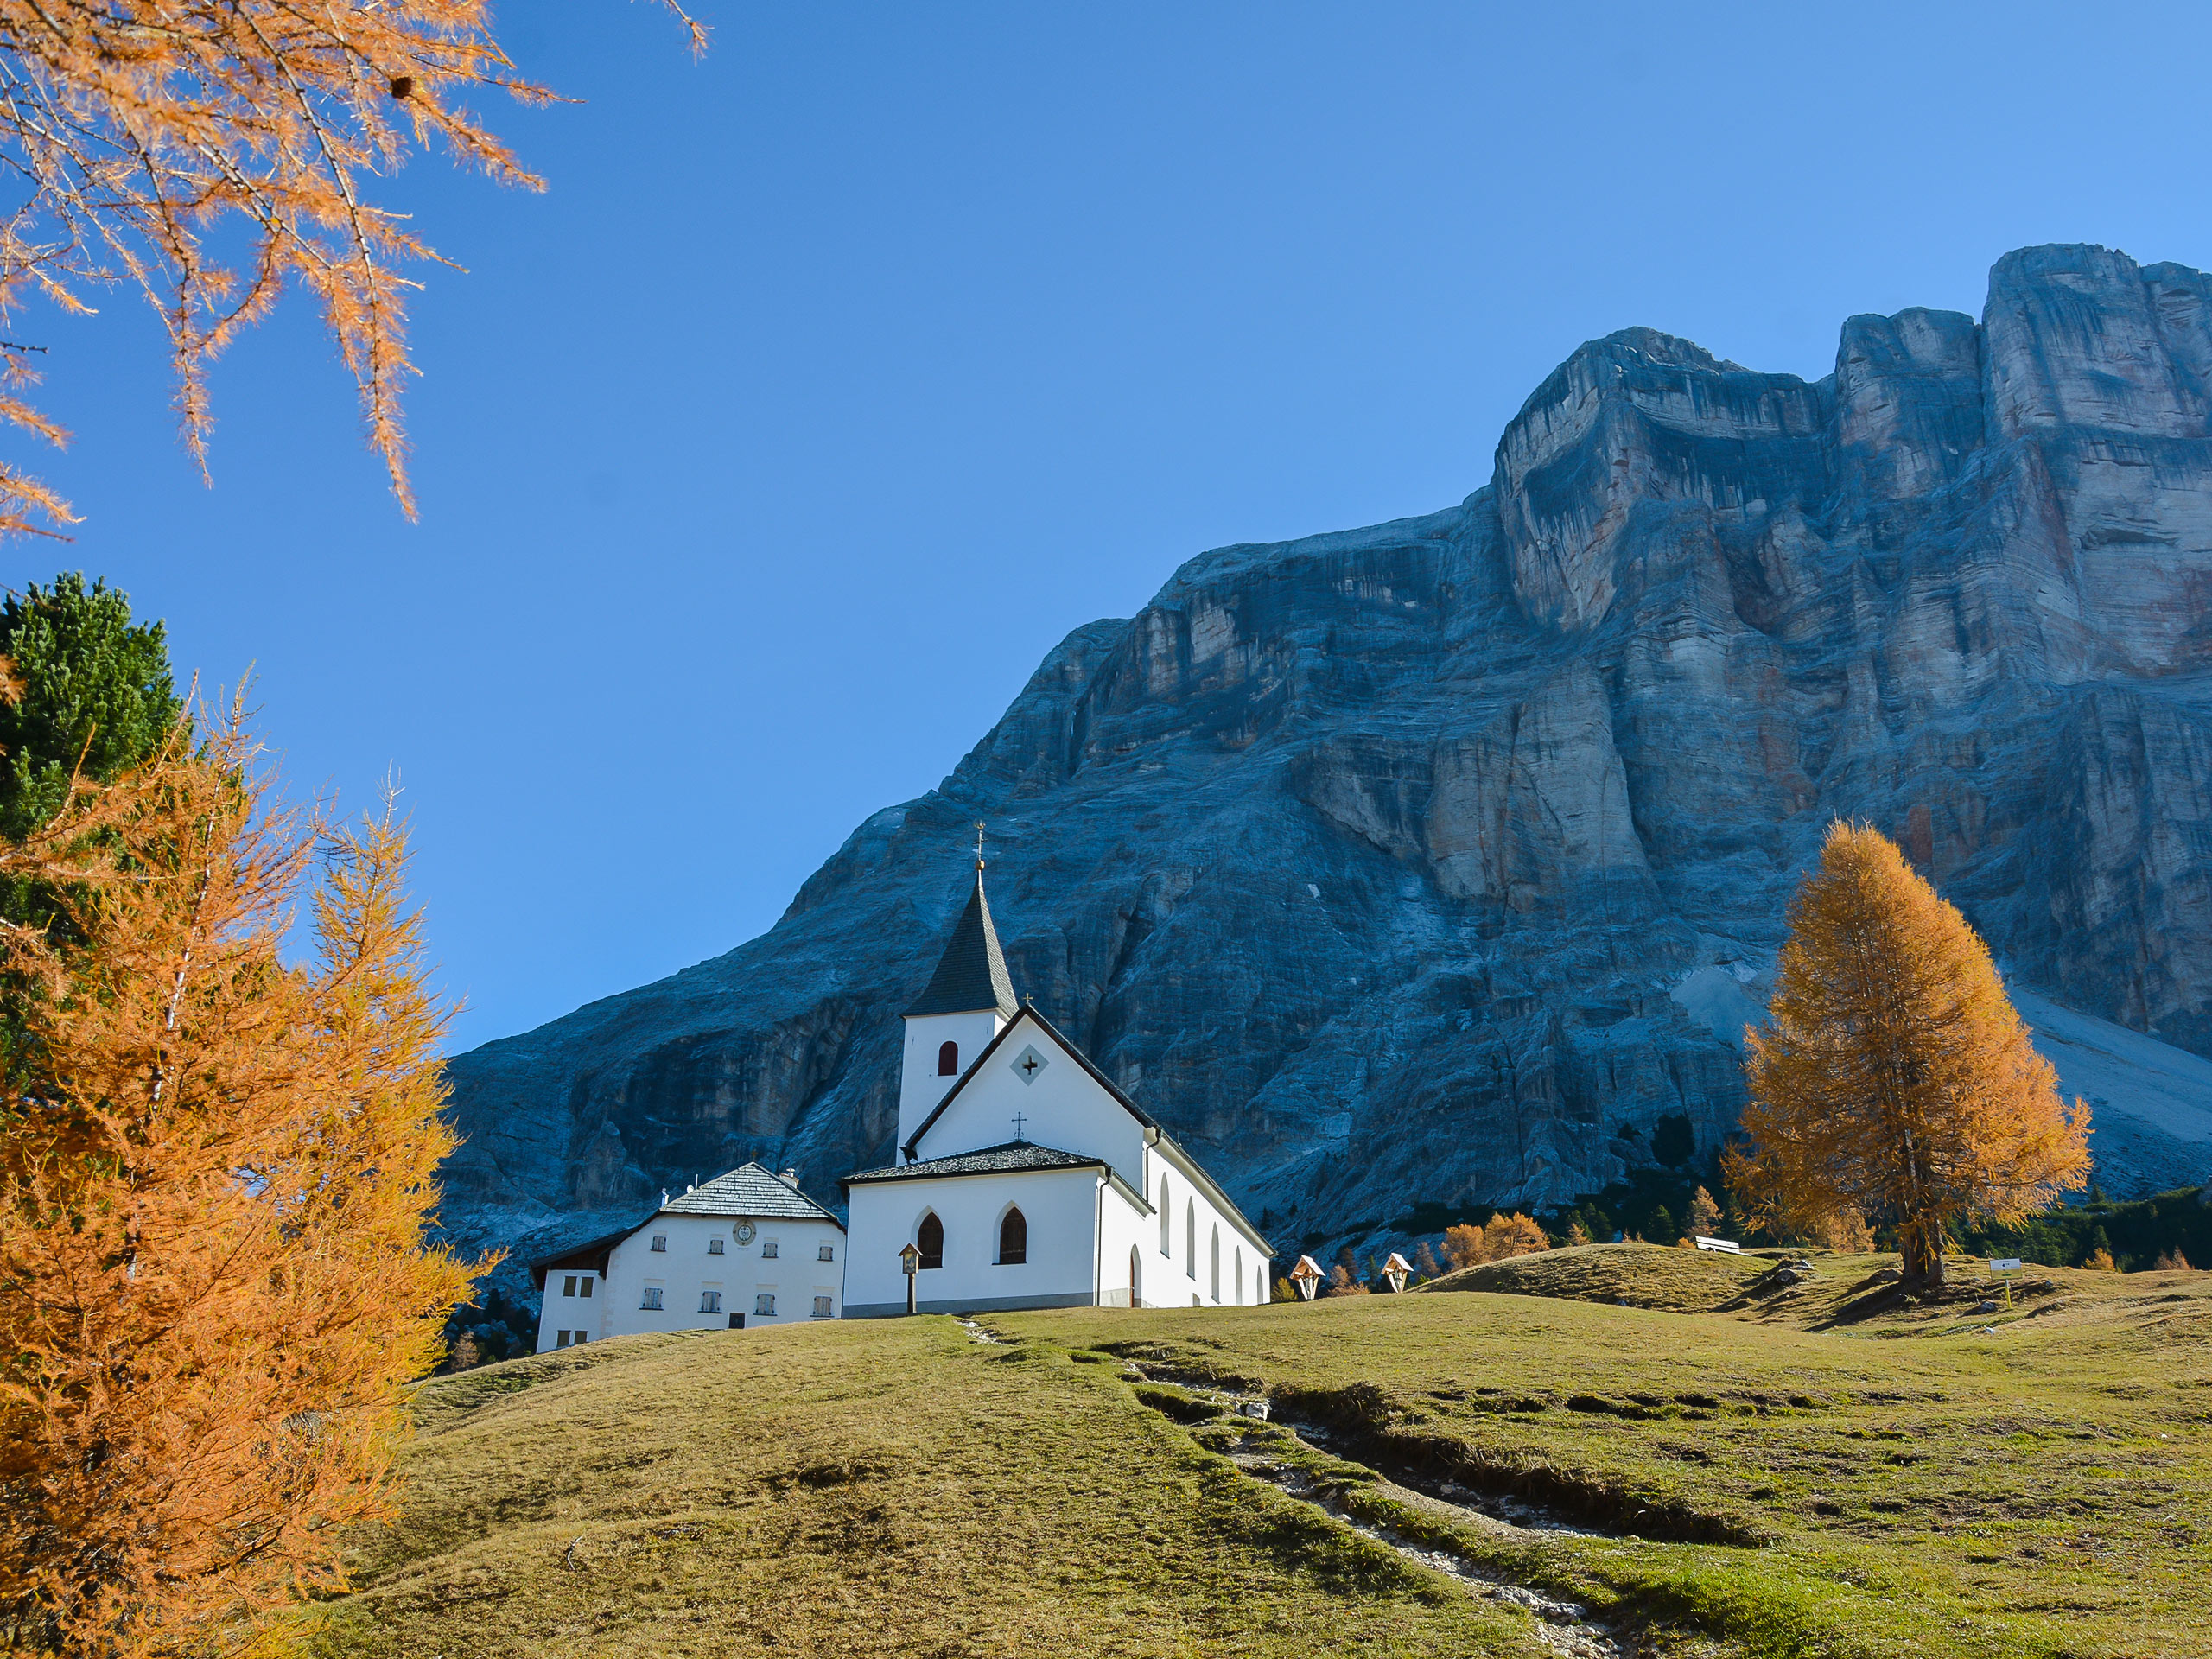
948, 1059
1136, 1277
1190, 1239
1013, 1240
1239, 1281
1216, 1265
1166, 1222
929, 1239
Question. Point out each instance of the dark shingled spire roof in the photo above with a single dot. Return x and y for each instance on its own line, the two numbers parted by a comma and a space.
972, 976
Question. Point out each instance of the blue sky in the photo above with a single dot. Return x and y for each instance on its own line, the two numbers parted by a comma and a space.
839, 375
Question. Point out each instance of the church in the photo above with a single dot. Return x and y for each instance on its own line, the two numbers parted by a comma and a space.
1027, 1179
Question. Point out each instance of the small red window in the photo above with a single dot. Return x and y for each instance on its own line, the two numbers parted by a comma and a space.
947, 1060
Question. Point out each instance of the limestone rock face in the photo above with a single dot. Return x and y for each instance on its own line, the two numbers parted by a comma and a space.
1441, 860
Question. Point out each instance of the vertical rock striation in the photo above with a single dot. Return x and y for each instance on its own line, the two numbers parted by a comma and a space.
1433, 860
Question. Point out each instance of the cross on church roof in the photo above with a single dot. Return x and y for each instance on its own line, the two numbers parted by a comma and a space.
1018, 1119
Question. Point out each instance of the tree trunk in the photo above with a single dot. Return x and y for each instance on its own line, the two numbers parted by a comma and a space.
1922, 1246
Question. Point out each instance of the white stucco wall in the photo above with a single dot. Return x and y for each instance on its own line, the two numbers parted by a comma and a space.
1061, 1207
1126, 1229
795, 1275
920, 1087
1176, 1275
1062, 1106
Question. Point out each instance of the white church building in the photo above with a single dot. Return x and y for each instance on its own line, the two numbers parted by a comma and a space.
1025, 1178
744, 1249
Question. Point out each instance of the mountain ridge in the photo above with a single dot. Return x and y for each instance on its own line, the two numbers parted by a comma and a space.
1373, 861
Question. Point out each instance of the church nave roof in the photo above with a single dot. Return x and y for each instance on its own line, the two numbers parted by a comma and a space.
1001, 1159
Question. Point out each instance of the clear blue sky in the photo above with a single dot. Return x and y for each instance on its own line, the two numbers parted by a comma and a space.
839, 375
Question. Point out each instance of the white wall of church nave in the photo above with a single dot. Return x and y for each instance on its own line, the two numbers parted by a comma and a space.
921, 1085
1179, 1258
1063, 1106
688, 1272
1061, 1207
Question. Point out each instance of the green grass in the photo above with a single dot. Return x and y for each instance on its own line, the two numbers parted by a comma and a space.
1897, 1479
1926, 1481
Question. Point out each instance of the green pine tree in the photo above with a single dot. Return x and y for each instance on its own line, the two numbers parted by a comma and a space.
80, 686
93, 689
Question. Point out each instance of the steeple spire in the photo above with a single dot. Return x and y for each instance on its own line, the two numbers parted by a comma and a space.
971, 976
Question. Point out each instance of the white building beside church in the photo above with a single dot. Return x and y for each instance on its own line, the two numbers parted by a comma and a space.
1025, 1178
744, 1249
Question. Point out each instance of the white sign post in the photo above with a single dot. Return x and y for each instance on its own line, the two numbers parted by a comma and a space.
2006, 1264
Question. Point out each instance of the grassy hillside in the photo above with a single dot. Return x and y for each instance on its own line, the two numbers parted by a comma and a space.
1803, 1464
871, 1487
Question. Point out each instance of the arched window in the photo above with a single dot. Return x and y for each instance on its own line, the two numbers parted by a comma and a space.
1217, 1264
1013, 1240
929, 1239
1191, 1238
1136, 1277
1239, 1275
948, 1059
1166, 1226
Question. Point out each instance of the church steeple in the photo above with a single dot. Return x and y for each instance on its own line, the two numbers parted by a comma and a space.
971, 976
967, 1000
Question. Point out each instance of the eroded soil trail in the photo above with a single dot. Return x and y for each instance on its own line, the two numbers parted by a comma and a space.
1564, 1627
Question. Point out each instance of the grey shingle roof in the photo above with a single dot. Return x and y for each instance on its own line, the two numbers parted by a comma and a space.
991, 1161
971, 976
748, 1190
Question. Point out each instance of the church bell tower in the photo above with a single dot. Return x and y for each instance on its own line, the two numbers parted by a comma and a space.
968, 1000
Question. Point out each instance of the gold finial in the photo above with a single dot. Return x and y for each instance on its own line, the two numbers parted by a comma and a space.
979, 843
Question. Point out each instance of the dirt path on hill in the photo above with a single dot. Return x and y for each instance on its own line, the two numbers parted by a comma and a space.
1564, 1627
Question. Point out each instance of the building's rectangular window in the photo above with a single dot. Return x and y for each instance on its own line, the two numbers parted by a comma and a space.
767, 1250
822, 1303
710, 1302
660, 1242
651, 1304
568, 1285
765, 1303
580, 1336
714, 1247
561, 1338
827, 1253
588, 1281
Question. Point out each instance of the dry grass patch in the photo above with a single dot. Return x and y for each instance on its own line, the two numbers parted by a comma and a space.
870, 1487
1643, 1275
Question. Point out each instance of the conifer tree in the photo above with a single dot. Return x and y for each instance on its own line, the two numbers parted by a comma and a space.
1464, 1246
93, 692
212, 153
1704, 1214
1511, 1236
215, 1182
1894, 1079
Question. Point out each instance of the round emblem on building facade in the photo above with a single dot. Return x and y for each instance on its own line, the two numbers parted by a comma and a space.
743, 1231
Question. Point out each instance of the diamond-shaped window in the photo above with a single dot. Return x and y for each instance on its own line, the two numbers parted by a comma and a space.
1028, 1064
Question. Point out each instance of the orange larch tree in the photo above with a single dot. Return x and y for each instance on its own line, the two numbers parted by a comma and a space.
1894, 1082
216, 1172
137, 129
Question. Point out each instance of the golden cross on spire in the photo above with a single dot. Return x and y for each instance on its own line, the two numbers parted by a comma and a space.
979, 843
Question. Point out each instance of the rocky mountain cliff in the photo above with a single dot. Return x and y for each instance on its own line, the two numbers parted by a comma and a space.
1439, 860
